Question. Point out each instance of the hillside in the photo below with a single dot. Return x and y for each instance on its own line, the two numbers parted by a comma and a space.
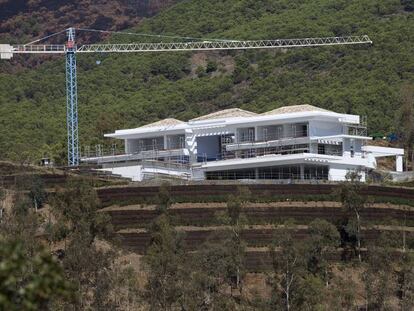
130, 90
21, 19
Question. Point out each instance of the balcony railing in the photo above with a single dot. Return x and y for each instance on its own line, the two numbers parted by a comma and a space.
271, 136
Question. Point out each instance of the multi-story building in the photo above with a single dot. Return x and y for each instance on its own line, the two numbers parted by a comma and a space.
295, 142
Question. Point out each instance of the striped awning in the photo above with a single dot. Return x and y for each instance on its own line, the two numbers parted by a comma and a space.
334, 141
319, 160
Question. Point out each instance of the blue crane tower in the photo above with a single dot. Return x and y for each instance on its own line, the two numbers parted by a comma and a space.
72, 100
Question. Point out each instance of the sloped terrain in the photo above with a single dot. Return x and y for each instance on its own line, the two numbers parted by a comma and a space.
22, 20
199, 220
130, 90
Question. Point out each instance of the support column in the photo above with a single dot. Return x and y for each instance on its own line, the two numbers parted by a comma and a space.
399, 163
302, 172
165, 142
256, 134
256, 171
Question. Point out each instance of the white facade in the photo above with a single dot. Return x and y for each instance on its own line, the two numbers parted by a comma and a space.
296, 142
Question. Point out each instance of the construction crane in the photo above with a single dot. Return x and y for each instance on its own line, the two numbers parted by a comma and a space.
70, 49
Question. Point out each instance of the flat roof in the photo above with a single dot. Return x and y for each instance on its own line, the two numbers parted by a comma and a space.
294, 108
226, 113
234, 117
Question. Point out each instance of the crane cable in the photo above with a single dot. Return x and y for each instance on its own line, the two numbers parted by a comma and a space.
152, 35
47, 37
132, 33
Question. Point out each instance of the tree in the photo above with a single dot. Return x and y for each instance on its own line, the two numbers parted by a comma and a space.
405, 119
217, 267
164, 262
77, 206
324, 239
88, 261
211, 66
354, 202
343, 294
311, 293
236, 220
288, 267
213, 269
30, 282
406, 282
378, 275
164, 197
37, 192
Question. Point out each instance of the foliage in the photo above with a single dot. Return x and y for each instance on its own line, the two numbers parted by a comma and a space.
324, 239
164, 198
378, 276
354, 202
77, 206
29, 282
164, 260
288, 263
130, 90
406, 282
88, 261
37, 192
31, 279
405, 119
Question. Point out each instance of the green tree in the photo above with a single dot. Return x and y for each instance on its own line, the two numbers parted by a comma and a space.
211, 66
88, 261
164, 197
164, 262
236, 220
343, 294
311, 294
200, 72
213, 270
354, 202
37, 192
324, 239
35, 282
218, 266
77, 206
406, 282
288, 268
378, 276
405, 119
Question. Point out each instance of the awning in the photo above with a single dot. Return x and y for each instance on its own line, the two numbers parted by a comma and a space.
330, 141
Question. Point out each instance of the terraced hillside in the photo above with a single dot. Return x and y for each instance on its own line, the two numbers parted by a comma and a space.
266, 192
197, 217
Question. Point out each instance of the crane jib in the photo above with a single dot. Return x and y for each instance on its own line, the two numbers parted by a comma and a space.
7, 50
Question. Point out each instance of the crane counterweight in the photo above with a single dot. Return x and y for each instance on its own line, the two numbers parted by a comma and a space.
6, 51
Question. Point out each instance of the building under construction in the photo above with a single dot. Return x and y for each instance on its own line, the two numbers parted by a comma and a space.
289, 143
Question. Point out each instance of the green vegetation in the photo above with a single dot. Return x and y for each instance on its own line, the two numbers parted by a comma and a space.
63, 254
131, 90
29, 281
301, 274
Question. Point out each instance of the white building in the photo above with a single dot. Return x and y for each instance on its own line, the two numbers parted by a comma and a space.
294, 142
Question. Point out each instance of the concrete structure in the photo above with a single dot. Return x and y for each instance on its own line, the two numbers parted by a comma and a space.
295, 142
